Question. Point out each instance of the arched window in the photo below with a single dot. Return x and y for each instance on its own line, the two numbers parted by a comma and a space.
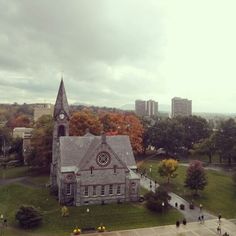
91, 170
61, 131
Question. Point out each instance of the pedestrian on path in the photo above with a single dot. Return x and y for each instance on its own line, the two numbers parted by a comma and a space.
177, 224
199, 219
184, 221
219, 218
202, 219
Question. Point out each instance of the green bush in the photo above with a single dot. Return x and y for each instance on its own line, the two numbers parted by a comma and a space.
158, 201
28, 216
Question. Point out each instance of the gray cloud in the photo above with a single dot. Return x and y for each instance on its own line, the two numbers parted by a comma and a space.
104, 48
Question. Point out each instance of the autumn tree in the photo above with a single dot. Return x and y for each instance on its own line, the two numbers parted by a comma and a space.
82, 120
124, 124
41, 142
19, 121
196, 177
167, 168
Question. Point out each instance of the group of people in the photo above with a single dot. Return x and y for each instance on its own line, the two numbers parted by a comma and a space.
178, 222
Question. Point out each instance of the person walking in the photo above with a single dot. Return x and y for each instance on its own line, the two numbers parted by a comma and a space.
202, 219
184, 221
199, 219
219, 218
177, 224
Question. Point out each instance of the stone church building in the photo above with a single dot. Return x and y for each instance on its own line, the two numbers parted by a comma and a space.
90, 169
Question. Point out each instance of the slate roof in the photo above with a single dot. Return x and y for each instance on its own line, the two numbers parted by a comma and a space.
74, 148
61, 101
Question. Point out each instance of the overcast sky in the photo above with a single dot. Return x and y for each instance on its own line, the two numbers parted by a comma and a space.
112, 52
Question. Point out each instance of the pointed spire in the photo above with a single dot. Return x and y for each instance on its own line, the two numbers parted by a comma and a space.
61, 104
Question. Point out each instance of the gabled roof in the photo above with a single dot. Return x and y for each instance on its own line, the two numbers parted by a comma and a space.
61, 101
73, 149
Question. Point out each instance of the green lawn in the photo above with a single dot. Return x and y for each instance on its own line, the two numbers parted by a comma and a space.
14, 172
114, 216
218, 197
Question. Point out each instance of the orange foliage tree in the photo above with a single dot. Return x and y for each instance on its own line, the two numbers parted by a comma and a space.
82, 120
19, 121
124, 124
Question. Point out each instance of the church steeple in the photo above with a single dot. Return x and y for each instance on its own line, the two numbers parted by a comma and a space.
61, 105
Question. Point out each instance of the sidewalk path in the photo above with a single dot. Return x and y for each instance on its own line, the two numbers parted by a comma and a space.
10, 181
190, 215
191, 229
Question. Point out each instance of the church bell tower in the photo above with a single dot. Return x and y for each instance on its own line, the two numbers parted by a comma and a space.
61, 118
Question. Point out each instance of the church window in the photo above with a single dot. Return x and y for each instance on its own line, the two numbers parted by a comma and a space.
94, 191
86, 191
110, 189
91, 170
61, 131
118, 189
115, 168
68, 189
102, 190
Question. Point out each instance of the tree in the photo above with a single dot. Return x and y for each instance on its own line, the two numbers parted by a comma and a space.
196, 128
124, 124
41, 142
167, 168
28, 216
19, 121
16, 148
226, 140
167, 134
157, 201
195, 177
206, 147
82, 120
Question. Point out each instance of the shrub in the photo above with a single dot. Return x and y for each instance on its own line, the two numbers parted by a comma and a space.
28, 216
157, 201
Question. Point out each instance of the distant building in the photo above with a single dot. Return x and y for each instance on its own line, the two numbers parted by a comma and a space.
19, 132
26, 146
140, 107
181, 107
146, 108
42, 109
152, 108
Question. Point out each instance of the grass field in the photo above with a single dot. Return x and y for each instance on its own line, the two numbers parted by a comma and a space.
114, 216
14, 172
218, 197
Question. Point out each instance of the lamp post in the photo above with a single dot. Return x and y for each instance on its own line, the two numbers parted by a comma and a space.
1, 224
162, 206
3, 146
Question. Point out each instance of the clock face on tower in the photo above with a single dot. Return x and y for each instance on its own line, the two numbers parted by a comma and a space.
103, 159
61, 116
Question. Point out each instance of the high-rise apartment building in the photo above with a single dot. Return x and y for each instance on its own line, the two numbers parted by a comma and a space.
152, 108
181, 107
140, 107
146, 108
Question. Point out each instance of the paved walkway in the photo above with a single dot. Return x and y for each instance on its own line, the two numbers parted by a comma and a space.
209, 228
190, 215
10, 181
